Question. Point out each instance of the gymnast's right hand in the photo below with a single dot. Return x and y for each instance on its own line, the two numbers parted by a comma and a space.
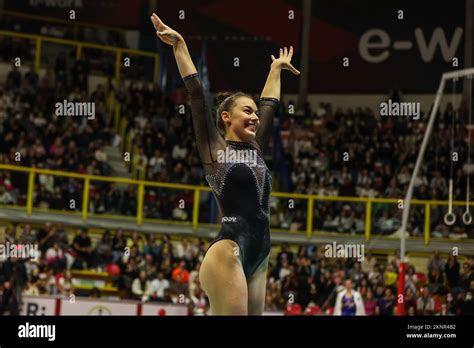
165, 33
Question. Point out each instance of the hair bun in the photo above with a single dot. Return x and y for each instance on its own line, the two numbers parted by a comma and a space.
221, 96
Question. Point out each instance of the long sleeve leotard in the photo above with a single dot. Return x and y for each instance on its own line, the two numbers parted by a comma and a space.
242, 189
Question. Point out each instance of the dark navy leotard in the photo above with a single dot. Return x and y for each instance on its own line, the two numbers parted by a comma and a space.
241, 187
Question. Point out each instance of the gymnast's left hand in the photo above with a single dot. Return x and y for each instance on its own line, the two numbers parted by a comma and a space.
284, 61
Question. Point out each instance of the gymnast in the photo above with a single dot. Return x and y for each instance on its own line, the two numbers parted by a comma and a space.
233, 273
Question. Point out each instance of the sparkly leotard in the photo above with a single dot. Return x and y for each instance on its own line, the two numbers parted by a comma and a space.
242, 188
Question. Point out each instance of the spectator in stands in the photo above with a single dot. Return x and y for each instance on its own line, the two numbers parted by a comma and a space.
369, 303
13, 78
112, 199
136, 241
349, 302
368, 263
156, 164
119, 243
390, 276
103, 249
82, 247
151, 247
467, 275
55, 257
199, 302
30, 290
387, 303
376, 277
158, 287
436, 262
180, 274
45, 237
436, 280
9, 301
409, 299
141, 287
64, 281
452, 270
425, 303
147, 265
468, 306
26, 235
184, 251
5, 196
411, 279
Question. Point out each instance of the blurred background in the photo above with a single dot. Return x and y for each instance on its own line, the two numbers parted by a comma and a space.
118, 205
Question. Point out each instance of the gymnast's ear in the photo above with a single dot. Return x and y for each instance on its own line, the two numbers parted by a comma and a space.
225, 116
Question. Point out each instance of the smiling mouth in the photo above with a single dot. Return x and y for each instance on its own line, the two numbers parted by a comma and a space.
251, 127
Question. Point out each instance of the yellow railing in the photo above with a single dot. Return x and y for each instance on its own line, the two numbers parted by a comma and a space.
79, 45
142, 185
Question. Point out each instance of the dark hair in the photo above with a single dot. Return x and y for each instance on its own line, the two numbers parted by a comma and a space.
225, 101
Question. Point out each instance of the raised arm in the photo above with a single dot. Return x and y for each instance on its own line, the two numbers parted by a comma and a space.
270, 96
208, 140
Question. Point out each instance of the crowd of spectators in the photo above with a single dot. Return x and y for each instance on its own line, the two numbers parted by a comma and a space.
356, 152
338, 153
301, 279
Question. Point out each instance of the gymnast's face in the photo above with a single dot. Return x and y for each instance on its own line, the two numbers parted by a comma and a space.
242, 120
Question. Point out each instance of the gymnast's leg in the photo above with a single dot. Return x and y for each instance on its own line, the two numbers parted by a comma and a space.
222, 278
257, 285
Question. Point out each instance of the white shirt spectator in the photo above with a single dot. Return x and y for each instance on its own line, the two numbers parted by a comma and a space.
138, 291
368, 264
31, 290
53, 254
179, 152
360, 309
47, 181
100, 155
157, 164
366, 192
420, 180
284, 271
5, 197
184, 251
425, 304
403, 177
158, 287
